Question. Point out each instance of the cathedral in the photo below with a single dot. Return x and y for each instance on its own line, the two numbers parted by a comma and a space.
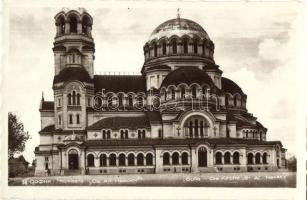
180, 115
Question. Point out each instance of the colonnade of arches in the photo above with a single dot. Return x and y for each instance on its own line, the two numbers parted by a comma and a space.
196, 127
73, 98
184, 91
120, 100
257, 158
73, 22
175, 158
121, 159
236, 100
227, 158
254, 134
179, 45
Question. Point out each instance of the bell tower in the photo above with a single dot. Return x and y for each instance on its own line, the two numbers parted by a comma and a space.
73, 85
73, 43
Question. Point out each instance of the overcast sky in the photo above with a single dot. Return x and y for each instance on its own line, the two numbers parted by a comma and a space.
254, 46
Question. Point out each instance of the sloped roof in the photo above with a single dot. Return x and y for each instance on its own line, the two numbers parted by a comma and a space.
119, 83
120, 122
231, 87
71, 74
47, 105
154, 116
187, 75
48, 129
187, 141
243, 122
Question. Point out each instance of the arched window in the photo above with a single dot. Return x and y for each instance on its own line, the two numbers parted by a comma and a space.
182, 92
195, 46
78, 99
264, 158
226, 100
62, 25
258, 158
165, 96
202, 157
122, 160
218, 158
130, 101
73, 24
250, 159
141, 134
103, 160
131, 159
175, 158
155, 50
140, 101
74, 98
90, 160
149, 159
69, 99
227, 156
140, 159
120, 100
196, 127
164, 48
78, 118
166, 158
70, 119
204, 47
173, 93
85, 25
236, 158
112, 160
235, 101
184, 158
174, 46
193, 92
185, 45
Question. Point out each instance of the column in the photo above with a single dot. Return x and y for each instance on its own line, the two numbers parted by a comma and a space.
144, 161
116, 161
222, 159
231, 159
108, 162
67, 27
180, 161
79, 27
96, 161
135, 161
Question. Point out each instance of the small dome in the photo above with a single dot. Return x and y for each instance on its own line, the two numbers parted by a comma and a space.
179, 27
187, 75
231, 87
73, 74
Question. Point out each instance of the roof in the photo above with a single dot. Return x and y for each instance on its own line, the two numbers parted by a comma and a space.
47, 105
243, 122
159, 67
154, 116
187, 141
231, 87
72, 74
48, 129
119, 83
179, 27
187, 75
120, 122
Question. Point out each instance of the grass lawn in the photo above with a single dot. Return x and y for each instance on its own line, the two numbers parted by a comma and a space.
250, 179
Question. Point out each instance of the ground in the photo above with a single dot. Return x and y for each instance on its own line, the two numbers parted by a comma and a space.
256, 179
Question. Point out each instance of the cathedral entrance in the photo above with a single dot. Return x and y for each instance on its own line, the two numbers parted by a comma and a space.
73, 159
202, 157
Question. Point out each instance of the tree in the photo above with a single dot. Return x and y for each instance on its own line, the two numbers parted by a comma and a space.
17, 136
292, 164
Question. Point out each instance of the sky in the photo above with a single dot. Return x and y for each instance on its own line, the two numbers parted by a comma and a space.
254, 45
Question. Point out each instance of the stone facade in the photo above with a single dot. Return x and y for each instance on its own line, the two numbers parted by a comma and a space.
179, 116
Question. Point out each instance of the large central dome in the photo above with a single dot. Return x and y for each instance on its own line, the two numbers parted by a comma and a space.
179, 27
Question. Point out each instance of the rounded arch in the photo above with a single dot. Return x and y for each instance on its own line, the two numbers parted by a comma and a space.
140, 159
103, 159
218, 158
236, 158
258, 158
131, 159
185, 158
166, 158
227, 158
202, 152
112, 159
149, 159
121, 159
90, 160
264, 158
250, 158
175, 158
209, 118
